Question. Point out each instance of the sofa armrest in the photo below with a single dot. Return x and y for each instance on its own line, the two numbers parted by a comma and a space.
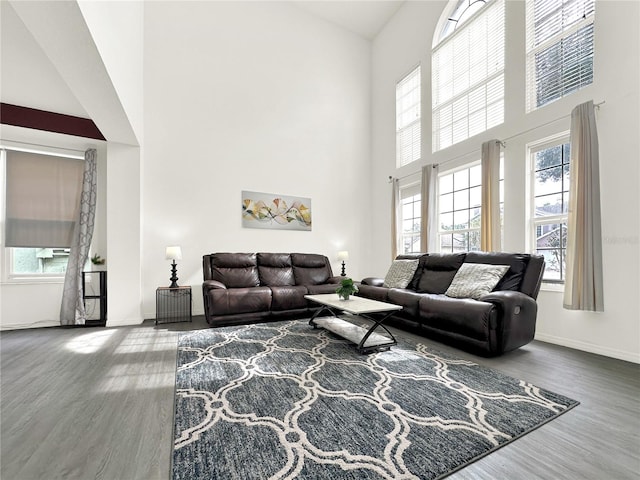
373, 281
517, 319
212, 284
336, 279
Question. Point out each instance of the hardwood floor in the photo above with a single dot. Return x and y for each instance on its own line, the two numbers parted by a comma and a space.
98, 403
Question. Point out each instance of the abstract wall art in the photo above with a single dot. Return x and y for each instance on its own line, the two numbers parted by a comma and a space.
270, 210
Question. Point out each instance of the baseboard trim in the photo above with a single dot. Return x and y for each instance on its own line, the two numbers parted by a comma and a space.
24, 326
589, 347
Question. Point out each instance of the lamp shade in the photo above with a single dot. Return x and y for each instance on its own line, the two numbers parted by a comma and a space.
343, 255
174, 253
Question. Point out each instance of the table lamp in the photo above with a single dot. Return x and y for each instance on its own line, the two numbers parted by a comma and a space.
343, 255
174, 253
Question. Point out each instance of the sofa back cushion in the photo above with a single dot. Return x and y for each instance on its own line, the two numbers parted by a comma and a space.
438, 270
275, 269
235, 270
310, 268
512, 280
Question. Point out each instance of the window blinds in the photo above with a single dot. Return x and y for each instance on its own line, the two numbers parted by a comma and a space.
468, 78
408, 136
559, 48
42, 199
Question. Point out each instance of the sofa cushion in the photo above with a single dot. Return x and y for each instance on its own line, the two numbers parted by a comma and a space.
438, 270
322, 289
310, 269
408, 299
414, 256
512, 280
462, 316
275, 269
235, 270
475, 280
400, 273
373, 292
239, 300
288, 297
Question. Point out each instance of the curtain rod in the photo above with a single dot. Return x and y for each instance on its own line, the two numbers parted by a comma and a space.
503, 143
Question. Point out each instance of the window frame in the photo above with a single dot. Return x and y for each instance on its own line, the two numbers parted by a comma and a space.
476, 106
533, 49
416, 124
8, 276
453, 231
411, 190
533, 222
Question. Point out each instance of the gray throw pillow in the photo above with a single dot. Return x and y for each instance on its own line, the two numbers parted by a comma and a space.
400, 273
474, 280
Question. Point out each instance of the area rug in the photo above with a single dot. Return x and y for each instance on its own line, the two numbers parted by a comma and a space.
284, 400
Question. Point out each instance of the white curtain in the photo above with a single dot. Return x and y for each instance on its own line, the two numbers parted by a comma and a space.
583, 288
429, 206
490, 228
72, 311
396, 206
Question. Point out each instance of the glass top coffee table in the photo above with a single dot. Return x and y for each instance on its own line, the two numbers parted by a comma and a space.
366, 339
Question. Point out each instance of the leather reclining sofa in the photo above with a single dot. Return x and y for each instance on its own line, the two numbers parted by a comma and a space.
498, 322
246, 287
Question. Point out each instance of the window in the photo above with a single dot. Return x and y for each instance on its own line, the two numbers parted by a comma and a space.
559, 49
549, 205
459, 199
468, 72
42, 197
459, 207
411, 208
408, 135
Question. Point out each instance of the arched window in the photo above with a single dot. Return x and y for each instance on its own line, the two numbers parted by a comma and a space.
467, 71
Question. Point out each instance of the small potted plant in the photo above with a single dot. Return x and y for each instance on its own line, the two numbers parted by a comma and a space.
346, 288
98, 260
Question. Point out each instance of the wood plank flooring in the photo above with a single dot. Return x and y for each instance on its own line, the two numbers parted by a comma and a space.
97, 403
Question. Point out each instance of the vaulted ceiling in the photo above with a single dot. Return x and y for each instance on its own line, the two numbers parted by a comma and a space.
30, 78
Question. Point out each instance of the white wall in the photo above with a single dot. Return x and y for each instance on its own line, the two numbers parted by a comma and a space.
250, 96
117, 30
407, 40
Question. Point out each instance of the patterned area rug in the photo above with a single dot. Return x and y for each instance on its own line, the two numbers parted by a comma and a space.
283, 401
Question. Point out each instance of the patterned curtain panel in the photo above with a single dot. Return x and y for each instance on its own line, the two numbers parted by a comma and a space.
583, 288
72, 311
429, 215
490, 229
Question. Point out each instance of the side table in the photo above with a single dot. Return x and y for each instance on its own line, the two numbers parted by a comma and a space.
173, 304
94, 293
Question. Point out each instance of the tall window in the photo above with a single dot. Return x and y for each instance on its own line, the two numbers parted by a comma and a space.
559, 48
410, 234
408, 135
459, 199
549, 205
41, 199
468, 72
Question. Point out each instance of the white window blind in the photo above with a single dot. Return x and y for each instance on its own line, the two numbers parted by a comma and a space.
559, 49
42, 199
468, 78
408, 126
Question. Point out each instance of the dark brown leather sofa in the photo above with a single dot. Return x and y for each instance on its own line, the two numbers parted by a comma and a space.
244, 287
501, 321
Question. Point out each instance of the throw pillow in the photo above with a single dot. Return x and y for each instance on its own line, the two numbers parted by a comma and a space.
400, 273
475, 280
